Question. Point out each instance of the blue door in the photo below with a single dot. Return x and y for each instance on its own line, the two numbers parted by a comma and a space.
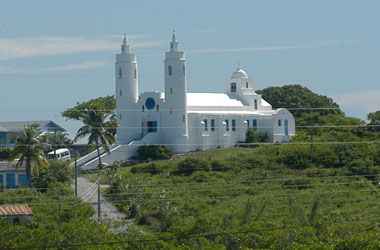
23, 180
286, 127
11, 181
152, 126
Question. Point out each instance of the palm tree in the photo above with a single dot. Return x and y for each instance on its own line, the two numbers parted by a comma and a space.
28, 151
99, 132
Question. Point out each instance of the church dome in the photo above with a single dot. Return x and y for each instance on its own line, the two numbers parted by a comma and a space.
239, 73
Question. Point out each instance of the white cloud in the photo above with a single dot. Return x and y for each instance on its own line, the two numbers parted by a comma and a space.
11, 70
270, 48
369, 100
209, 51
78, 66
57, 45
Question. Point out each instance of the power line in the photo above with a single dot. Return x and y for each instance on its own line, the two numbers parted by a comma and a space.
201, 235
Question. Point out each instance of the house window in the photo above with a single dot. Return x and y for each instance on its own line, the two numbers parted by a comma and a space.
212, 125
135, 73
247, 123
254, 124
246, 85
121, 93
233, 86
120, 73
255, 103
170, 70
286, 129
143, 108
233, 125
205, 122
279, 123
171, 90
158, 107
227, 125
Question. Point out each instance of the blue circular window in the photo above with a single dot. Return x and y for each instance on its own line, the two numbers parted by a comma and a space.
150, 103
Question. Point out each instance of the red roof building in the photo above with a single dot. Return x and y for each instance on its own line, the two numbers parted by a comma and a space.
15, 213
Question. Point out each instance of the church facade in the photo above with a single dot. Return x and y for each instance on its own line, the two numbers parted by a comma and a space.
186, 121
191, 121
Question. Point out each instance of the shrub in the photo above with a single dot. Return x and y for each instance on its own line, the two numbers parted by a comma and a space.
4, 153
253, 136
58, 172
150, 168
190, 165
154, 152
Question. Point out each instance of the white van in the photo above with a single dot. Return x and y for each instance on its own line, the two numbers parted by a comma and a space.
62, 154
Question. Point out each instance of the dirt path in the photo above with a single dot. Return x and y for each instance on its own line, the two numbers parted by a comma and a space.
88, 192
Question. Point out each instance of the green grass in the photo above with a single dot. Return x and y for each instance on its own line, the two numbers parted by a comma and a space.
241, 189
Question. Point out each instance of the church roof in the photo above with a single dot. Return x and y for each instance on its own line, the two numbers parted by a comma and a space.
239, 73
212, 99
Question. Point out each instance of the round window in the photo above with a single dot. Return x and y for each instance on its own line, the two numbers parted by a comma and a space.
150, 103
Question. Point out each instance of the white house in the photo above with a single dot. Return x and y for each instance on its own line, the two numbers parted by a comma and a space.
187, 121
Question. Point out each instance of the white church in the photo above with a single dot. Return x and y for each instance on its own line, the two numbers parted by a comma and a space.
187, 121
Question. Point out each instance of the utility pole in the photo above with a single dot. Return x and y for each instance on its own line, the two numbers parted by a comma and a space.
75, 173
55, 142
311, 144
99, 207
59, 213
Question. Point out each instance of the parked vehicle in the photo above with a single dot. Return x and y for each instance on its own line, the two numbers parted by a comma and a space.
61, 154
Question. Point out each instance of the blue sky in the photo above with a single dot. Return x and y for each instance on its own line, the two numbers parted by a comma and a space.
56, 53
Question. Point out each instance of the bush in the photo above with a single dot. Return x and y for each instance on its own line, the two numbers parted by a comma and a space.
253, 136
150, 168
190, 165
4, 153
154, 152
58, 172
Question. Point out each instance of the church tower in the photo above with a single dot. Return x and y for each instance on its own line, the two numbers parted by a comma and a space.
127, 93
175, 91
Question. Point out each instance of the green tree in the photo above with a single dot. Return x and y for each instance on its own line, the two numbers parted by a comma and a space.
305, 105
105, 104
55, 141
374, 120
28, 151
99, 131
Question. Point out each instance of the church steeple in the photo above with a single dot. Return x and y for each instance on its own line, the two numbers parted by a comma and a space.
174, 44
125, 47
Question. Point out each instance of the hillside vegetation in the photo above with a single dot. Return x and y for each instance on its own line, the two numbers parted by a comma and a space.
320, 191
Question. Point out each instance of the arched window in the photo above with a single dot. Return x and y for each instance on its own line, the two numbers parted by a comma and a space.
246, 85
120, 73
184, 71
170, 70
135, 73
